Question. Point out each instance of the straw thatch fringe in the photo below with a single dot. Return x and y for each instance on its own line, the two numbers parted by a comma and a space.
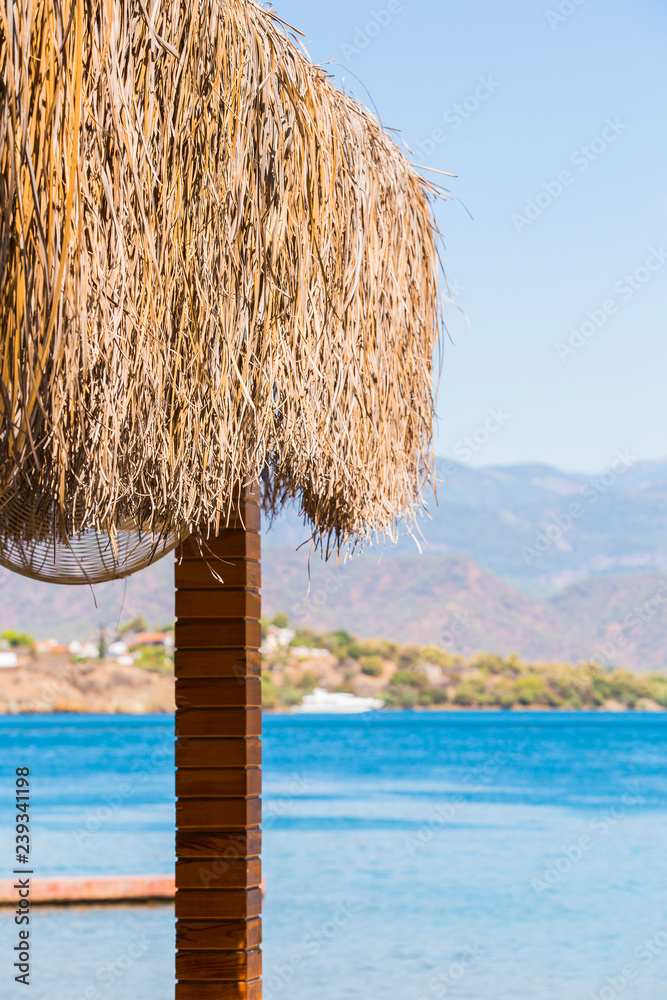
213, 265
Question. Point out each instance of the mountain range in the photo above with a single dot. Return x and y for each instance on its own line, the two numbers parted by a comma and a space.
525, 558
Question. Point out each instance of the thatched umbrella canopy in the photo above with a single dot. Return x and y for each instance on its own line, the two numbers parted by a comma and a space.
214, 267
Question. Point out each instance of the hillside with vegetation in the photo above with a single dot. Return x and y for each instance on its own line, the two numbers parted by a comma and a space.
111, 676
103, 678
295, 661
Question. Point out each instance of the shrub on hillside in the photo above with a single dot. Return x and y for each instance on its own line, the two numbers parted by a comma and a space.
466, 694
503, 694
433, 696
18, 640
431, 654
658, 684
290, 696
378, 647
371, 665
530, 690
341, 644
154, 658
409, 678
400, 697
408, 656
306, 681
306, 637
489, 662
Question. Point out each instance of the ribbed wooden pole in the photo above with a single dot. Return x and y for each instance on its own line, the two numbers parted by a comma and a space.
218, 757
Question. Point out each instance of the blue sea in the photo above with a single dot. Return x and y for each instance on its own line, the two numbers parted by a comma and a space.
408, 856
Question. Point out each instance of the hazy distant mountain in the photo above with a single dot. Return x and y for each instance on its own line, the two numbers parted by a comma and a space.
517, 558
538, 528
442, 600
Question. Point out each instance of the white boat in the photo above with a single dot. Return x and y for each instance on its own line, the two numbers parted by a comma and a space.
337, 702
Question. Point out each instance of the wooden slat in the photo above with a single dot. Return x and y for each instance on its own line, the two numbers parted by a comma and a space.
218, 663
196, 935
232, 603
238, 751
207, 844
219, 991
219, 873
246, 514
203, 633
233, 573
222, 692
221, 814
233, 543
226, 904
218, 722
251, 493
219, 965
218, 782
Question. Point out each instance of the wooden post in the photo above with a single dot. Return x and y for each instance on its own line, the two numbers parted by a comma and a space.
218, 757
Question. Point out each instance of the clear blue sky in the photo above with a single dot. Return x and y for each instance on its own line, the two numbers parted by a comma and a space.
553, 83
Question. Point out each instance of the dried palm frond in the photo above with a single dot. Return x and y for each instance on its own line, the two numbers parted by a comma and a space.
214, 266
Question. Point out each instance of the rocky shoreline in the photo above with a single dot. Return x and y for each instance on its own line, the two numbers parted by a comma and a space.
55, 684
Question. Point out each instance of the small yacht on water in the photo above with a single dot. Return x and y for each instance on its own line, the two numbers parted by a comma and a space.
338, 702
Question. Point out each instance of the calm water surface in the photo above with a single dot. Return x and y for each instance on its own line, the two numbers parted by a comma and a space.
407, 856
